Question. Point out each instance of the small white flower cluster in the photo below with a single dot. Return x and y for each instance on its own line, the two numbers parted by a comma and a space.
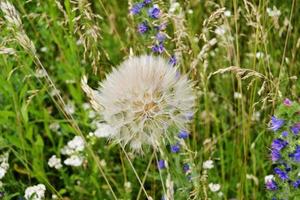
74, 149
87, 107
273, 12
36, 192
70, 108
209, 164
55, 162
3, 164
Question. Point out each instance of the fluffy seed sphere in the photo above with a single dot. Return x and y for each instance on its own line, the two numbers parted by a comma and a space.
141, 98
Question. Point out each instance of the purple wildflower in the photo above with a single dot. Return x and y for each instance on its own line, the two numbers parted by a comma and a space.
287, 102
279, 144
183, 134
154, 12
276, 123
147, 1
160, 37
296, 154
275, 155
271, 185
143, 27
296, 183
285, 134
175, 148
136, 8
173, 60
158, 48
296, 128
281, 174
186, 167
161, 164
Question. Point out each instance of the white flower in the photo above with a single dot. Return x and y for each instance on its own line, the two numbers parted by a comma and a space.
214, 187
273, 12
103, 130
74, 160
40, 73
54, 162
77, 143
139, 98
227, 13
54, 126
209, 164
220, 30
36, 192
259, 54
269, 178
70, 108
3, 164
237, 95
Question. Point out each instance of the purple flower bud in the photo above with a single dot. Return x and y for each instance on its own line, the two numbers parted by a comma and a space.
154, 12
173, 60
143, 27
183, 134
276, 123
271, 185
147, 1
136, 8
275, 155
160, 37
296, 154
175, 148
186, 167
296, 184
287, 102
285, 134
161, 164
296, 128
158, 48
281, 174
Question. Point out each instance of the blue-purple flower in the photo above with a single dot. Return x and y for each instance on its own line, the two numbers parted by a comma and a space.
175, 148
276, 123
296, 128
158, 48
186, 167
281, 174
279, 144
154, 12
285, 133
296, 154
143, 27
271, 185
183, 134
296, 183
173, 60
161, 164
160, 37
275, 155
147, 1
136, 8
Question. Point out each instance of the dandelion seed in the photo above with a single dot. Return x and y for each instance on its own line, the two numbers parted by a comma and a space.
36, 192
141, 99
269, 178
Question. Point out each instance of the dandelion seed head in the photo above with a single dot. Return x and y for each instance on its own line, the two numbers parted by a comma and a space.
141, 98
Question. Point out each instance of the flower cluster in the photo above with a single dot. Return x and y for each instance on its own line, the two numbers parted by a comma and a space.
150, 24
285, 151
74, 150
36, 192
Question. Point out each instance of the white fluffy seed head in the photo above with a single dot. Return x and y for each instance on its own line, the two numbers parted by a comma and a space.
142, 98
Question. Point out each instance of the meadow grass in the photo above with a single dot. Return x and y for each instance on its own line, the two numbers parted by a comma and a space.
243, 62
